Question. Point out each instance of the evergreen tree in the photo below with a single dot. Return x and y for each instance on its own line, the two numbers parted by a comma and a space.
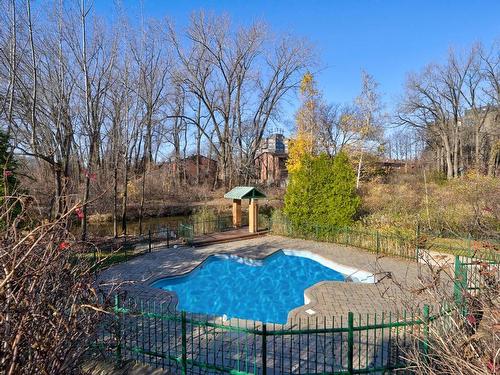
322, 191
8, 179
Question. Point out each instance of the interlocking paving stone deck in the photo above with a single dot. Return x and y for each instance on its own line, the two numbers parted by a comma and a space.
329, 300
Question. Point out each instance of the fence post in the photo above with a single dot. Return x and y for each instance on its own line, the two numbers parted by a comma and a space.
184, 343
118, 354
149, 242
350, 342
264, 349
168, 237
378, 242
426, 331
460, 284
456, 287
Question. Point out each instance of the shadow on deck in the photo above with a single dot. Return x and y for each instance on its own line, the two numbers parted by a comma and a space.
226, 236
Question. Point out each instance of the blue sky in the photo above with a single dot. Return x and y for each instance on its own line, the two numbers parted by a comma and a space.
386, 38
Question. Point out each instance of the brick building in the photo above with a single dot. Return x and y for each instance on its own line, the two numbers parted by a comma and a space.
188, 169
271, 161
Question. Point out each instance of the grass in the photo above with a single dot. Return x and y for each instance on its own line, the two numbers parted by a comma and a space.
103, 260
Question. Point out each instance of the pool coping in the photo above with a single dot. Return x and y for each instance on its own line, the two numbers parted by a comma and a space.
396, 278
309, 300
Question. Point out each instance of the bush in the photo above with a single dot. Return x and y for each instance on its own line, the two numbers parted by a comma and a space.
463, 206
49, 308
322, 191
8, 180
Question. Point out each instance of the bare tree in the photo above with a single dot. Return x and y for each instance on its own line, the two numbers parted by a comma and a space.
491, 71
368, 108
240, 80
434, 104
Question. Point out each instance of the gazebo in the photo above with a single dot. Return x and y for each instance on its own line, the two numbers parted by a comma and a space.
245, 192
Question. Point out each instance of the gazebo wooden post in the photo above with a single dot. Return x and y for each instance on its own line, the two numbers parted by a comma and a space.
236, 213
245, 192
253, 216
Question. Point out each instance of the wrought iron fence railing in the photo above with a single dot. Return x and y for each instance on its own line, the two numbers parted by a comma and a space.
146, 332
156, 334
192, 229
407, 247
126, 247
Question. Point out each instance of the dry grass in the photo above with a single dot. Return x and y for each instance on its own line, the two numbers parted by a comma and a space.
459, 207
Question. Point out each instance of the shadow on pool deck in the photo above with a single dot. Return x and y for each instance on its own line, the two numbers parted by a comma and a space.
327, 299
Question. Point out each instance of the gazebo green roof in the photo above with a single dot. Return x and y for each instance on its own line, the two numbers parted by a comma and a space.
244, 192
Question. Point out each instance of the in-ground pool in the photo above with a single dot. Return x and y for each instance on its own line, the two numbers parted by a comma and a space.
263, 290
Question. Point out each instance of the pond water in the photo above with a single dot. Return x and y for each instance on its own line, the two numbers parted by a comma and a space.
151, 223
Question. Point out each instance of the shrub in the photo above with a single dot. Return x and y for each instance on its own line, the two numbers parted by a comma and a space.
48, 299
322, 191
8, 180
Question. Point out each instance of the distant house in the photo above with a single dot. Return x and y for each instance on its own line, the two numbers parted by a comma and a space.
271, 161
193, 167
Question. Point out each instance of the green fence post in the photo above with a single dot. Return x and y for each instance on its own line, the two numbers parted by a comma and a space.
460, 284
149, 240
378, 242
184, 343
456, 286
350, 342
118, 354
264, 349
426, 331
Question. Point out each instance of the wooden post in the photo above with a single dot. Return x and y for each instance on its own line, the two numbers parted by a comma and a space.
236, 213
253, 213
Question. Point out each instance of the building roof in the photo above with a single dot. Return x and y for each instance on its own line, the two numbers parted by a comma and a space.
244, 192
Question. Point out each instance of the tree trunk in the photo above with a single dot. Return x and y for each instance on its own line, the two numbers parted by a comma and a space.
143, 189
358, 178
58, 192
448, 158
493, 160
477, 151
456, 141
125, 196
115, 200
86, 194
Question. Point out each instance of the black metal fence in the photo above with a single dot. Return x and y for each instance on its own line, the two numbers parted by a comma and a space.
402, 246
156, 334
190, 230
146, 332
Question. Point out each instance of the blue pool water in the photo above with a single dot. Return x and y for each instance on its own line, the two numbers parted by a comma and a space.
240, 288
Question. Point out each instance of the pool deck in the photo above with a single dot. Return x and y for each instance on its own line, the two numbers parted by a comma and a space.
226, 236
398, 287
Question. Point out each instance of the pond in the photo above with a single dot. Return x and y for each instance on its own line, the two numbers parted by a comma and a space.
151, 223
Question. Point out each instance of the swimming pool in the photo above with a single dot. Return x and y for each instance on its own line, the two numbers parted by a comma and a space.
263, 290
